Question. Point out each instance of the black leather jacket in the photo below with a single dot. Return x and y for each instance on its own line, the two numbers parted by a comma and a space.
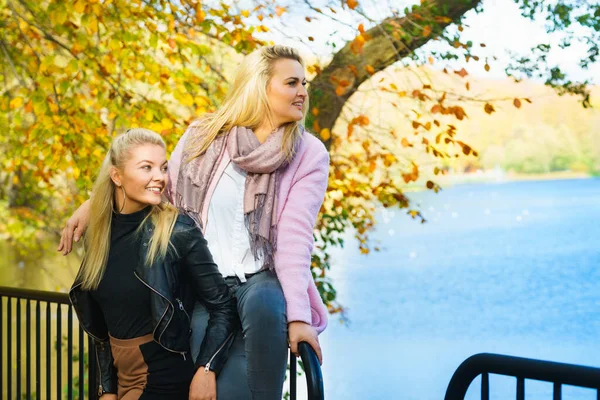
184, 275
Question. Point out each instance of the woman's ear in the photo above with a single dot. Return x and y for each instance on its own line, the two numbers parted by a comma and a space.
115, 176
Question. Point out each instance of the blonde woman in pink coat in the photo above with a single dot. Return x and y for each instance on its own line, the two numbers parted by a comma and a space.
254, 180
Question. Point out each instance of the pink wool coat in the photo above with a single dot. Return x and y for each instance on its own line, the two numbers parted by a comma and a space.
301, 192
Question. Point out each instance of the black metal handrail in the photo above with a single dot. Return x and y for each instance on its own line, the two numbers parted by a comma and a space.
312, 368
52, 353
521, 368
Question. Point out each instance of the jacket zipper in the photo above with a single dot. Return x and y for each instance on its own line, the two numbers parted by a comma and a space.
100, 388
161, 318
207, 366
182, 308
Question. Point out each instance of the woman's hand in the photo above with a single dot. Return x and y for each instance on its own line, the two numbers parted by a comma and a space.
108, 396
75, 227
299, 331
204, 385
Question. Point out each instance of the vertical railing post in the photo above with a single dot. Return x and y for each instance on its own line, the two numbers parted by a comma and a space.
70, 352
28, 349
38, 351
1, 341
557, 394
58, 351
9, 348
81, 363
48, 351
292, 376
18, 337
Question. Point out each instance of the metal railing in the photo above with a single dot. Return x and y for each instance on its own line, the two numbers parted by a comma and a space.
60, 364
42, 355
485, 364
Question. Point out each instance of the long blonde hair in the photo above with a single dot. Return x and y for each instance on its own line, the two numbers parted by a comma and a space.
246, 103
97, 237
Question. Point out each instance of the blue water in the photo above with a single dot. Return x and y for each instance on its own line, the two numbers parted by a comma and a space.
508, 268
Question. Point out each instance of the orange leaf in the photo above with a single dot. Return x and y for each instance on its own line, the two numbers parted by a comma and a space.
370, 69
361, 28
171, 43
405, 143
517, 103
430, 59
488, 108
307, 19
487, 67
468, 86
352, 4
427, 31
436, 109
325, 134
315, 111
310, 38
279, 10
462, 73
316, 126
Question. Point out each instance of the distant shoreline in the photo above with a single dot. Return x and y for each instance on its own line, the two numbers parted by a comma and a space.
505, 177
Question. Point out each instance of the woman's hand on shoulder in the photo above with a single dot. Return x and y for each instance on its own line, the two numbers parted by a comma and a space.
74, 228
204, 385
299, 331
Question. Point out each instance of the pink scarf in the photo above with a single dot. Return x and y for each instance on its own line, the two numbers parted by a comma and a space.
261, 162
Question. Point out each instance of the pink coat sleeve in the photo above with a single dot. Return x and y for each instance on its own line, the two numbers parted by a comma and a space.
295, 239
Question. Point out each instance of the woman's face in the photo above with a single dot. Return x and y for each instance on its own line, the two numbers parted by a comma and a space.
143, 176
286, 92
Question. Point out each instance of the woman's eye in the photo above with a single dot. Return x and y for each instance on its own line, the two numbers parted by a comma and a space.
165, 169
146, 167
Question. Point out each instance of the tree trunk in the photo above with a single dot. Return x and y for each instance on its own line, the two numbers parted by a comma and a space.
390, 41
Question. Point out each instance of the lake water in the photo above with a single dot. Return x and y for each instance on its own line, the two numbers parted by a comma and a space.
505, 268
508, 268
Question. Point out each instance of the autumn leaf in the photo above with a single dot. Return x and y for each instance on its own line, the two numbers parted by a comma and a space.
488, 108
405, 143
370, 69
517, 103
430, 185
315, 111
427, 31
325, 134
352, 4
279, 10
462, 73
486, 67
361, 28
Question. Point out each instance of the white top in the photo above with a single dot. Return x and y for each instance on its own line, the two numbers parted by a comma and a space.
225, 229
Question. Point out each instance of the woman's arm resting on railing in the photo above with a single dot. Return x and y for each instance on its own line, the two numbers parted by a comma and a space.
74, 228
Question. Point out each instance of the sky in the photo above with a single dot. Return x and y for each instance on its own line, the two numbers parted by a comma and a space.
500, 26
